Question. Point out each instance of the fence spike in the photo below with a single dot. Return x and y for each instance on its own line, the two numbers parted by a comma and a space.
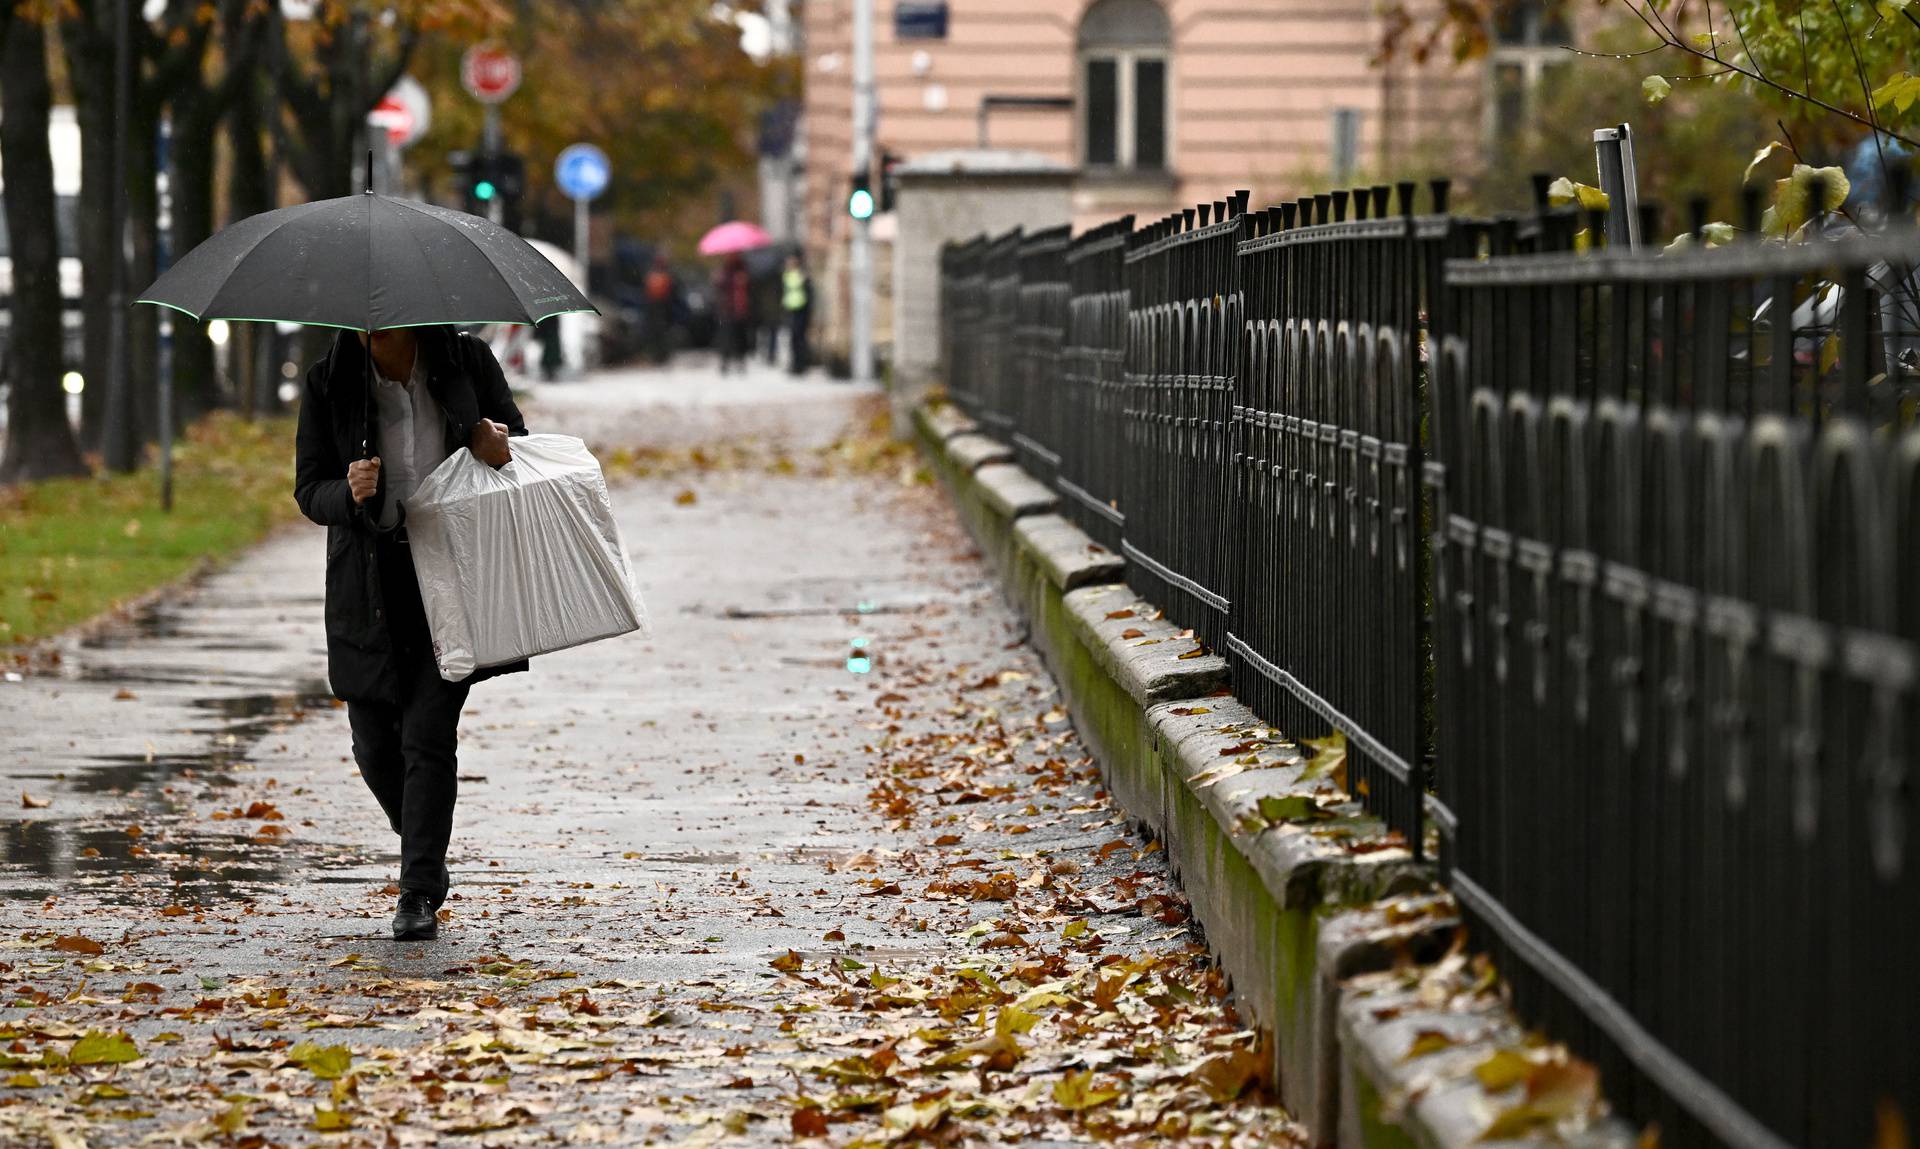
1240, 199
1380, 193
1289, 214
1541, 199
1750, 211
1697, 217
1440, 190
1339, 206
1360, 203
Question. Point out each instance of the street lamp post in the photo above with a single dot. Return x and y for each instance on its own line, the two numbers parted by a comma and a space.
860, 253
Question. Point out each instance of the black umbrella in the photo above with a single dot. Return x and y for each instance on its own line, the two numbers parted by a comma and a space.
366, 263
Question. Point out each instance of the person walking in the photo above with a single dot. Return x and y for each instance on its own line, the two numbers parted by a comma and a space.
733, 304
435, 390
659, 294
796, 301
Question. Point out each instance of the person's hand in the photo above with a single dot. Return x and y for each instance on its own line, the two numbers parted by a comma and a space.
489, 443
363, 478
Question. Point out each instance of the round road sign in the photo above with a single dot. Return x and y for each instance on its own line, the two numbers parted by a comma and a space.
489, 74
582, 171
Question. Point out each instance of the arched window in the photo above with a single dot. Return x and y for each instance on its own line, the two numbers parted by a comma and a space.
1123, 85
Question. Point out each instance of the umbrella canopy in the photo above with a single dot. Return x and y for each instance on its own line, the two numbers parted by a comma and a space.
366, 262
733, 237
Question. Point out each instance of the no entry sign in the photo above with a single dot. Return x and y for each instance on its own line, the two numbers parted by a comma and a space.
489, 74
405, 112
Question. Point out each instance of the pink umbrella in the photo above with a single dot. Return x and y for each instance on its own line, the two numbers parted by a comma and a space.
735, 236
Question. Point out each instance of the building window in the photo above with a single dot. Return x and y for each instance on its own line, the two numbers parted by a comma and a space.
1123, 85
1529, 41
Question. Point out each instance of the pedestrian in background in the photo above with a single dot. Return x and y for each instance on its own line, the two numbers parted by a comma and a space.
733, 306
796, 301
435, 391
659, 292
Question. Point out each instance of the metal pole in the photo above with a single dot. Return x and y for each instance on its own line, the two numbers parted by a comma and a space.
121, 448
164, 408
860, 255
490, 146
580, 241
1613, 157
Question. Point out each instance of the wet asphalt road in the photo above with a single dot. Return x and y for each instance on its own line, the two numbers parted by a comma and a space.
665, 816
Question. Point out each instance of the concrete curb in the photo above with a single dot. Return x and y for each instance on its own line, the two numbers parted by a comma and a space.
1068, 558
1313, 908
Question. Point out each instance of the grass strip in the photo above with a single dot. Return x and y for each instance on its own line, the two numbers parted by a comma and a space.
73, 548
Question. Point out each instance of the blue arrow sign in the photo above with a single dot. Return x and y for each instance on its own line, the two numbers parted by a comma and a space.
582, 171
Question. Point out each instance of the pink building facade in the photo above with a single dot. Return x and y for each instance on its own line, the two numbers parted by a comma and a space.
1158, 105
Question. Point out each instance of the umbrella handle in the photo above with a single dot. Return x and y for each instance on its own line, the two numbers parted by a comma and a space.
366, 408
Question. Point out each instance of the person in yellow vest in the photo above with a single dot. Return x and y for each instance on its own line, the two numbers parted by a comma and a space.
796, 303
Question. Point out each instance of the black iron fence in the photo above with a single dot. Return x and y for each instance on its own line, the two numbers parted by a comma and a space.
1596, 559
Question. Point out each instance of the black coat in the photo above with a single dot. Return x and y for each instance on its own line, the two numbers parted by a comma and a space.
463, 377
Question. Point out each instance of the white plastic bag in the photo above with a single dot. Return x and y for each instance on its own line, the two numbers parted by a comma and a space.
522, 560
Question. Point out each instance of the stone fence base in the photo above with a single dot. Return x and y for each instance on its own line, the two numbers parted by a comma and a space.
1341, 948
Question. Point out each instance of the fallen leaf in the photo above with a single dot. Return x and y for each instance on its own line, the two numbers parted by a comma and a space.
96, 1048
1075, 1091
1503, 1070
78, 944
29, 802
327, 1062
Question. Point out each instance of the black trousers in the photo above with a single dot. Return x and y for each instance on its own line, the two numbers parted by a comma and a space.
406, 749
797, 340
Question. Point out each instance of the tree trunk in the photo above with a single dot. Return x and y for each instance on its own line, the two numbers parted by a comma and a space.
40, 441
90, 75
196, 116
248, 193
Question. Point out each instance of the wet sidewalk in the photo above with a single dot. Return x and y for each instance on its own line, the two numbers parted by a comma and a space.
822, 861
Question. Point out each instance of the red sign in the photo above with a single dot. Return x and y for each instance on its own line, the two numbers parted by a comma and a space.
394, 116
489, 74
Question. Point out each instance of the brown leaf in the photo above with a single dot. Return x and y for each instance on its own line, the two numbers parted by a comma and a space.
686, 498
29, 802
1119, 614
809, 1123
78, 944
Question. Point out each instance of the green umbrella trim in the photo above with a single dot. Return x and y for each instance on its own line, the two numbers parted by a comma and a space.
390, 327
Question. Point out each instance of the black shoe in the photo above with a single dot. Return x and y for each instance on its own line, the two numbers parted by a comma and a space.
414, 920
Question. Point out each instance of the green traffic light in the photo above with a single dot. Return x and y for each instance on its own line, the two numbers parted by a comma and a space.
483, 190
860, 204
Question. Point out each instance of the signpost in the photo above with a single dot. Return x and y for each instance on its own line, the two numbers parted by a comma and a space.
582, 172
490, 75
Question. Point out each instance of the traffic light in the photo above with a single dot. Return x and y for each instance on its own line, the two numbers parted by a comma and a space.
860, 199
491, 184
